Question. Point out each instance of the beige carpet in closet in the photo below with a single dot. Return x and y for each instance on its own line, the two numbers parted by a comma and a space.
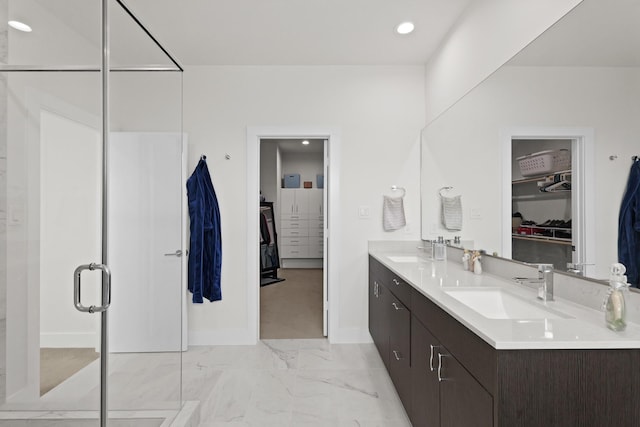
58, 364
293, 308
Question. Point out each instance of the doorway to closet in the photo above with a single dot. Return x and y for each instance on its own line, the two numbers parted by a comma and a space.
292, 249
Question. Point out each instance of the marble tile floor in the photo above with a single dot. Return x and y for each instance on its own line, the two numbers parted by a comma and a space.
292, 383
274, 383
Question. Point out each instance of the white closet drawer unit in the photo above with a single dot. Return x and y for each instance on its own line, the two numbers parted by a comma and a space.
290, 224
316, 251
315, 232
315, 224
294, 251
295, 241
294, 232
315, 241
293, 217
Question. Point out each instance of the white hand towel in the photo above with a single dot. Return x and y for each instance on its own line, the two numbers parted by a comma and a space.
393, 213
452, 213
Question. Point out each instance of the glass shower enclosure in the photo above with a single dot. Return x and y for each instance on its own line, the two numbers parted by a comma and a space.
92, 218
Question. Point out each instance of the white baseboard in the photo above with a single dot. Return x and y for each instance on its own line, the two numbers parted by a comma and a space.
350, 336
221, 337
68, 340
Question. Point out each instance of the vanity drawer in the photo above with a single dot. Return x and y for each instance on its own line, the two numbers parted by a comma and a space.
398, 287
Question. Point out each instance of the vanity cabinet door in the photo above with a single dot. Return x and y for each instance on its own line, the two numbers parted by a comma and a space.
378, 316
425, 389
400, 349
463, 401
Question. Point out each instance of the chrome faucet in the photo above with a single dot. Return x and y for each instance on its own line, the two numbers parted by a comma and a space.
544, 281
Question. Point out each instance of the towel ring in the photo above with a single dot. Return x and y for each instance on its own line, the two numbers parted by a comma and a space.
444, 189
395, 188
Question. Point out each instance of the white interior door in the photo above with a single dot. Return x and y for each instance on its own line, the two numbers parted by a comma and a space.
146, 246
325, 234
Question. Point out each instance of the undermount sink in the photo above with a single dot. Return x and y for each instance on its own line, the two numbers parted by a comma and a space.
405, 258
495, 303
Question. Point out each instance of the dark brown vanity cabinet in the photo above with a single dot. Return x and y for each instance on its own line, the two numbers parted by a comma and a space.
379, 315
444, 393
425, 388
400, 350
453, 378
390, 326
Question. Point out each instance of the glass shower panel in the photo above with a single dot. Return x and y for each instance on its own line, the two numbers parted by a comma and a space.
133, 45
64, 32
50, 203
51, 215
146, 204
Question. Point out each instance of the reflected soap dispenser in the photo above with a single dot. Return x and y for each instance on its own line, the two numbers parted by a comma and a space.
440, 250
614, 304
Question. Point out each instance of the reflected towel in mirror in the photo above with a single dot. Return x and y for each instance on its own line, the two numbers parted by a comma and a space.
452, 212
393, 213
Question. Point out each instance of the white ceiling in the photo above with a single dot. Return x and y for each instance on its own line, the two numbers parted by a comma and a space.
291, 146
298, 32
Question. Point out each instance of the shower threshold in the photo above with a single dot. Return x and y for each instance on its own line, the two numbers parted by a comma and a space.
185, 417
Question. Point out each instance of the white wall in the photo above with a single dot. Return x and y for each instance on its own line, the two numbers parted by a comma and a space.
463, 146
379, 111
308, 165
486, 36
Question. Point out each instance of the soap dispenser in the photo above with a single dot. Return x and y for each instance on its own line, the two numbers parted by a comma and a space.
614, 304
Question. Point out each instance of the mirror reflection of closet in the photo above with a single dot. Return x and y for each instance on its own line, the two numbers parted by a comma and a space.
542, 208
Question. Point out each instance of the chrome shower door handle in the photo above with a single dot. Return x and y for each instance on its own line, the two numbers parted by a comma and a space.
106, 288
177, 253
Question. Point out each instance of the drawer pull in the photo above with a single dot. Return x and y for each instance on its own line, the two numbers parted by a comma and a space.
440, 377
397, 355
396, 282
396, 306
432, 347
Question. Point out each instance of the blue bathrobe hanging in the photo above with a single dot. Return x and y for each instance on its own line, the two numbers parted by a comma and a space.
205, 248
629, 227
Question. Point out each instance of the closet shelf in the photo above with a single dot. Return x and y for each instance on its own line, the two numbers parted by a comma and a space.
539, 177
543, 239
542, 196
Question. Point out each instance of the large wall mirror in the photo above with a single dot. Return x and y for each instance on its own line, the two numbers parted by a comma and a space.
540, 152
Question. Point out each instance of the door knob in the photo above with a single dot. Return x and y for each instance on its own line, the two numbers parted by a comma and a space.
177, 253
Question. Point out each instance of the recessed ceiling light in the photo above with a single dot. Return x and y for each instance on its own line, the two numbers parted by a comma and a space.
305, 142
21, 26
405, 28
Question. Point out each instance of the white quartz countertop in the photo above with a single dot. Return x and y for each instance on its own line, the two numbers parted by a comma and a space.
569, 326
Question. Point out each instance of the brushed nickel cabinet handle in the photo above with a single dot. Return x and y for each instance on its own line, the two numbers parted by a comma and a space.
432, 347
396, 306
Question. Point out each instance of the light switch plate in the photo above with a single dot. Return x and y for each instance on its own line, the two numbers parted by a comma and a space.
475, 213
364, 212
